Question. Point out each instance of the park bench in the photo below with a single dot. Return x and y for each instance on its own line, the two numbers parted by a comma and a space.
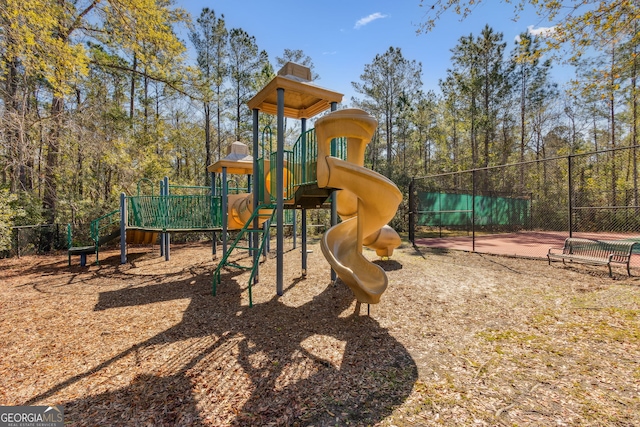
84, 250
595, 252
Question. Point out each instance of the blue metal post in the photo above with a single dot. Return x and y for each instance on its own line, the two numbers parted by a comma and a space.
162, 237
280, 195
257, 182
225, 193
167, 243
214, 245
303, 221
123, 228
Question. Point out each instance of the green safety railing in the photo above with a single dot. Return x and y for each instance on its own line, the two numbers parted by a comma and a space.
174, 212
301, 161
305, 157
289, 181
106, 225
265, 212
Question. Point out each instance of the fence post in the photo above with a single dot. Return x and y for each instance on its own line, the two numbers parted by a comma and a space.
18, 242
123, 228
167, 235
412, 223
473, 211
570, 198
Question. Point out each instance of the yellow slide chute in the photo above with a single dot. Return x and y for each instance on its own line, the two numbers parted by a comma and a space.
366, 202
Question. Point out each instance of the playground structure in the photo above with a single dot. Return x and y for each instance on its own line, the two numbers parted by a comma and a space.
140, 219
324, 168
321, 161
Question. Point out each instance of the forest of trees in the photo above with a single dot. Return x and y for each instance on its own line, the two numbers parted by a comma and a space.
95, 98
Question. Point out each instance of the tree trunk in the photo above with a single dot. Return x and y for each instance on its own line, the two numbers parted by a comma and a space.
132, 94
207, 138
218, 122
614, 178
634, 123
389, 127
50, 197
13, 115
523, 109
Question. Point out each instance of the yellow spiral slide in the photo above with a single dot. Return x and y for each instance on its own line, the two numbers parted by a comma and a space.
366, 202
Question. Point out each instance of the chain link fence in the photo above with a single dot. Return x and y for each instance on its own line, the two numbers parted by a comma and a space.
36, 239
523, 209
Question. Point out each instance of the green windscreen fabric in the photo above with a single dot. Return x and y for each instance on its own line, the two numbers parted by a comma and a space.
448, 209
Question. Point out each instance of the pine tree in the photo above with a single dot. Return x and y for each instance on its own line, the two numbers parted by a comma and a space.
388, 85
210, 39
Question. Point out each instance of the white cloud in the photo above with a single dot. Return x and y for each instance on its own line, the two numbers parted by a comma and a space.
367, 19
541, 31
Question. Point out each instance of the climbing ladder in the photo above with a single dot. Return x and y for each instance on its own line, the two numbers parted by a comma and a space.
263, 211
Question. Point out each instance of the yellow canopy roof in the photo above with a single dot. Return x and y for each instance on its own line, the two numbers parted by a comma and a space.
302, 99
238, 161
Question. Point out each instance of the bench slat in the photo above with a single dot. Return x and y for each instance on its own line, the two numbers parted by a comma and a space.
599, 252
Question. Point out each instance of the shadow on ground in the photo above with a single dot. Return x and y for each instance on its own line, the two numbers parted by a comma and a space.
268, 365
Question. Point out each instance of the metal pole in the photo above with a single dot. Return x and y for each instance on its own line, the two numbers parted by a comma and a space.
123, 228
473, 211
334, 207
280, 195
257, 182
569, 171
167, 244
214, 244
18, 242
224, 201
303, 221
412, 220
162, 238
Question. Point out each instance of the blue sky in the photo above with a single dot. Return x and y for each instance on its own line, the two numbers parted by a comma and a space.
343, 36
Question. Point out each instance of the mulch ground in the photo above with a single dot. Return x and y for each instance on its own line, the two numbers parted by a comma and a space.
458, 339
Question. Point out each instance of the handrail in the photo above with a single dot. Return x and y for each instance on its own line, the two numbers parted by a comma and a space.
100, 224
174, 212
266, 131
144, 180
305, 156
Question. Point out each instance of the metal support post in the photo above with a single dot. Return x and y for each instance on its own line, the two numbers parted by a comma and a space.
123, 228
412, 218
162, 238
303, 221
225, 193
280, 195
473, 211
569, 172
257, 182
214, 244
167, 235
